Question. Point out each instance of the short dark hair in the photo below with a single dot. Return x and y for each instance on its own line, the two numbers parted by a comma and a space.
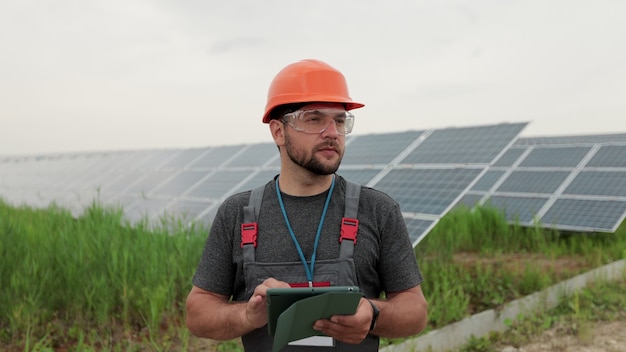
278, 112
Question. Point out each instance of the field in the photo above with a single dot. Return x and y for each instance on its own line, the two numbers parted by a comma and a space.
95, 283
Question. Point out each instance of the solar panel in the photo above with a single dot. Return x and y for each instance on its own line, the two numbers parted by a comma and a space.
609, 156
377, 149
188, 209
216, 156
533, 181
510, 156
359, 176
593, 215
257, 155
578, 140
145, 209
575, 183
185, 157
555, 157
488, 180
518, 209
418, 228
123, 180
256, 179
427, 191
218, 184
464, 145
599, 183
149, 180
180, 182
469, 200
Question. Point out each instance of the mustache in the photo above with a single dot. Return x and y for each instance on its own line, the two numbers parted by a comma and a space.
329, 144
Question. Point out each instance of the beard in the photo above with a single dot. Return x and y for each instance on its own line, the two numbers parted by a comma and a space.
311, 163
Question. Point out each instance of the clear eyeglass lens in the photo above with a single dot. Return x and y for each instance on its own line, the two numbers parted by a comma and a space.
317, 121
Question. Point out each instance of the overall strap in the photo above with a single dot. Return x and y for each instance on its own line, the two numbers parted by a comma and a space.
350, 223
249, 228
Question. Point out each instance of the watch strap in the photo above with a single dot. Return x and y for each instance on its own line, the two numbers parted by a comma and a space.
375, 313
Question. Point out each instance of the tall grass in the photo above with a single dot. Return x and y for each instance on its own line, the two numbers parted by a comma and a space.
97, 283
90, 273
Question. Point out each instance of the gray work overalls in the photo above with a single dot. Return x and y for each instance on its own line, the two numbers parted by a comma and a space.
336, 272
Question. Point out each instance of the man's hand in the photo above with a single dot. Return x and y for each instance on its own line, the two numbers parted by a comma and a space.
348, 328
214, 316
256, 309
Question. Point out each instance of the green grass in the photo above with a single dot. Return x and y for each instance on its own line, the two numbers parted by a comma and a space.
91, 281
96, 283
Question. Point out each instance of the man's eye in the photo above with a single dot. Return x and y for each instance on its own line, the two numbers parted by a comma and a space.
313, 119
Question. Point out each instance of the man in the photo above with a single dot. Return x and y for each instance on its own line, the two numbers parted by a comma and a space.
308, 112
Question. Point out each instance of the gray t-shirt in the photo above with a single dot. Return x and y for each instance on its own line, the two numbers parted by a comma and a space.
383, 253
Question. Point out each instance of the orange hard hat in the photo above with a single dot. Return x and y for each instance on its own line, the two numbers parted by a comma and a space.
308, 81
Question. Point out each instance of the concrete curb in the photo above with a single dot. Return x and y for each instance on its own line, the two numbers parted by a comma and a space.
456, 335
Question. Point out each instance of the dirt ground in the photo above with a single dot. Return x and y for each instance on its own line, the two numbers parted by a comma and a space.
594, 337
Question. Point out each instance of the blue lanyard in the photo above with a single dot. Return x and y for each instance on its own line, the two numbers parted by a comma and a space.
309, 271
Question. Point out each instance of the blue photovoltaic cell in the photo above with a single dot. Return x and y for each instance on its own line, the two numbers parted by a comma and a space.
487, 180
180, 182
469, 200
602, 183
533, 181
609, 156
153, 159
218, 184
596, 214
417, 229
426, 191
216, 157
255, 155
359, 176
509, 157
119, 184
377, 148
260, 178
520, 209
555, 157
95, 175
149, 180
184, 158
464, 145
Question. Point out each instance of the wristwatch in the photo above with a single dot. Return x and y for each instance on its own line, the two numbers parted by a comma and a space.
375, 313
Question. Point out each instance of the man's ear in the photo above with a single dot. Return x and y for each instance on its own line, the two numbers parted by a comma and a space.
277, 128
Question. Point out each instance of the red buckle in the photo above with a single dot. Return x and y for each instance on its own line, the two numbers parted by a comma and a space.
249, 234
349, 229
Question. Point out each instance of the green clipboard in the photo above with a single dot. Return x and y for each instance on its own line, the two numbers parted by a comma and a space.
292, 311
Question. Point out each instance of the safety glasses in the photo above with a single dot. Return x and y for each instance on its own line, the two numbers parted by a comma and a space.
318, 120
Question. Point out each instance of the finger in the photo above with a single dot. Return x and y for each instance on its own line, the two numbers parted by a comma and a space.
256, 311
273, 283
339, 332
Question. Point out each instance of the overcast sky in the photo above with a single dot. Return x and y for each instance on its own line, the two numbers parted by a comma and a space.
94, 75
